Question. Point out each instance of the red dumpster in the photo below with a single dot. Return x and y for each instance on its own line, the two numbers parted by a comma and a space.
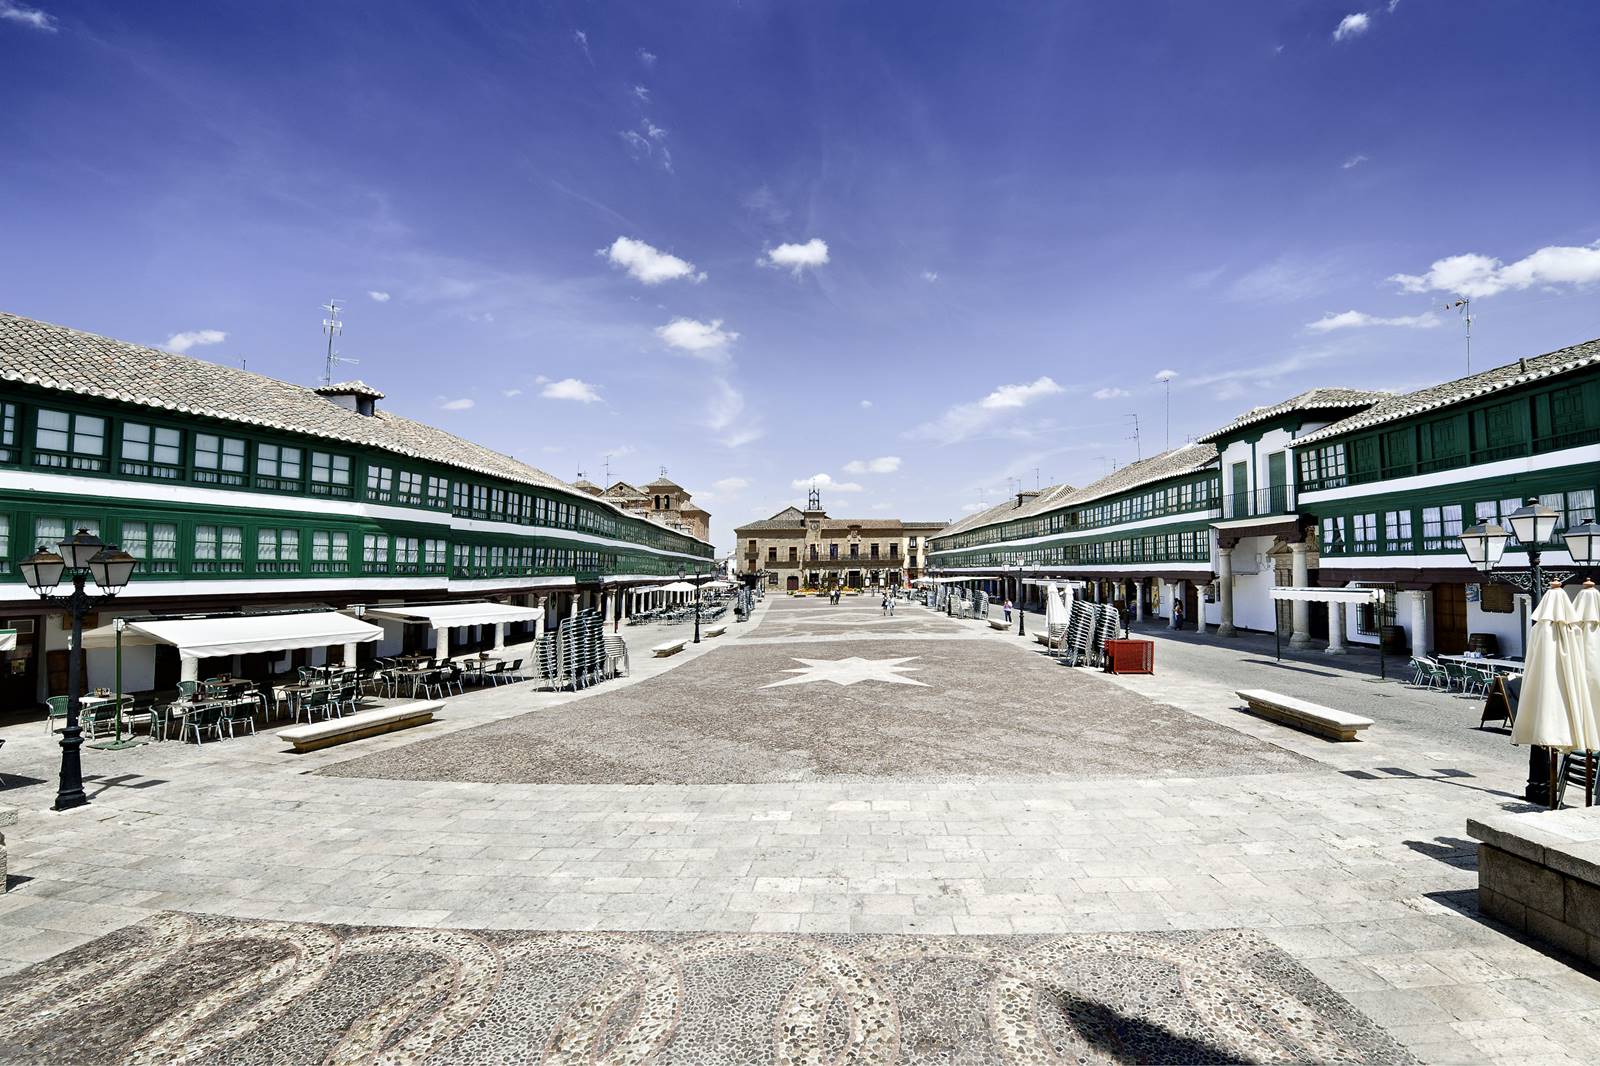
1131, 656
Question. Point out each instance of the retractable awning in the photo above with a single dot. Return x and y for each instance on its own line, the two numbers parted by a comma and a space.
204, 638
450, 615
1328, 595
8, 640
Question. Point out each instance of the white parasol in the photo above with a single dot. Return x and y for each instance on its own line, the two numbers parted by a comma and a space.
1587, 609
1554, 709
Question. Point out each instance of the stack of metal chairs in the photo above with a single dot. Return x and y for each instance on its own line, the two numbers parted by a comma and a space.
1107, 627
580, 643
1078, 646
547, 661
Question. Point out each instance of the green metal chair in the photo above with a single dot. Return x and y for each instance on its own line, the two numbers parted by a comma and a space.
55, 707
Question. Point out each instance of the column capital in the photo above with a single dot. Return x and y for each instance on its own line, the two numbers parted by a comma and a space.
1299, 547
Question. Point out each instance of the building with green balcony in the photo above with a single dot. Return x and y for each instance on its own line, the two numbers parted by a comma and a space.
239, 491
1392, 487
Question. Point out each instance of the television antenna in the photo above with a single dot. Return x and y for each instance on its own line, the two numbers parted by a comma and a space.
1138, 449
1463, 307
333, 326
608, 467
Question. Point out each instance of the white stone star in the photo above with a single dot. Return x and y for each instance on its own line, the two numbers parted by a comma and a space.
850, 671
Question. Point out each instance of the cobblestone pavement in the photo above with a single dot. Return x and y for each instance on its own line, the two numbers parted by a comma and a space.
1352, 863
182, 988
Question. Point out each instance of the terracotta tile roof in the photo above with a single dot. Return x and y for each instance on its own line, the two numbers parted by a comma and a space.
1524, 371
55, 357
1310, 400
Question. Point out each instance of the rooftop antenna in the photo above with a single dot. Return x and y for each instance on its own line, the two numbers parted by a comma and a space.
1463, 307
580, 473
1036, 479
608, 468
332, 326
1138, 449
1165, 377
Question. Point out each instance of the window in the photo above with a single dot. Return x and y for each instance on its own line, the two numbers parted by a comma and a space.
5, 537
218, 460
1364, 533
151, 451
1322, 467
218, 549
833, 551
794, 555
1441, 528
409, 485
278, 551
330, 474
1397, 531
1332, 540
375, 553
438, 492
855, 551
772, 555
277, 467
68, 441
8, 433
330, 552
433, 556
380, 483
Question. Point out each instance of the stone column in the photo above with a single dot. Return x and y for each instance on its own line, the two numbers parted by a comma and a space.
500, 636
350, 656
443, 649
189, 668
1420, 644
538, 625
1138, 600
1336, 630
1301, 610
1225, 590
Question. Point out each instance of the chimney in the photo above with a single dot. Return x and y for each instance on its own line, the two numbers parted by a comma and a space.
356, 396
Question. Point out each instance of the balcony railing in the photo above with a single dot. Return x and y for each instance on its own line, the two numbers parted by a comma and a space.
1264, 501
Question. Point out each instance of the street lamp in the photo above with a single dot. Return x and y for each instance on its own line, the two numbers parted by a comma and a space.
683, 576
1534, 526
1020, 562
82, 557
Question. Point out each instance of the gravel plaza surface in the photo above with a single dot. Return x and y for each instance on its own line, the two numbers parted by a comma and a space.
182, 988
773, 709
1328, 888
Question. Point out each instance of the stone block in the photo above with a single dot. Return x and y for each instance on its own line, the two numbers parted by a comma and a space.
1557, 933
1501, 908
1536, 887
1583, 906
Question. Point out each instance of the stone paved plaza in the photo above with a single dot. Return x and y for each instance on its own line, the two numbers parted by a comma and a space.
826, 835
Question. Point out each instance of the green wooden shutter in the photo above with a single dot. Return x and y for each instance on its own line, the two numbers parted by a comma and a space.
1399, 451
1364, 458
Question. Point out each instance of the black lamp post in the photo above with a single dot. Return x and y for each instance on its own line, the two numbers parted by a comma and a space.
83, 556
683, 576
1021, 567
1534, 526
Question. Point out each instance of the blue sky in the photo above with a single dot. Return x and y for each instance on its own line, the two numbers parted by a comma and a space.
916, 248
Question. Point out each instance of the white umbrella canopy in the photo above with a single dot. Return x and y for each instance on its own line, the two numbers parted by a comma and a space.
1554, 707
1587, 608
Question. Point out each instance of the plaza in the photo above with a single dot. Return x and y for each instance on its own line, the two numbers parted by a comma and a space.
912, 838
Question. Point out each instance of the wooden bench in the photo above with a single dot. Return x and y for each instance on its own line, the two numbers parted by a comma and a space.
1303, 714
716, 631
362, 724
671, 647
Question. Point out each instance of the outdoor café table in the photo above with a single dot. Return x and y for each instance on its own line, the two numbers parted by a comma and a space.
298, 691
476, 665
1508, 665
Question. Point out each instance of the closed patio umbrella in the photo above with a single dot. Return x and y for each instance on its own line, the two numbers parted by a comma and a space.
1587, 609
1554, 709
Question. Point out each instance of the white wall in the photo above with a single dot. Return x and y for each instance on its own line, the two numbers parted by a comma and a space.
1507, 628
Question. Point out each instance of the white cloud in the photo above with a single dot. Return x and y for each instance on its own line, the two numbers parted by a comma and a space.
647, 58
1166, 375
930, 275
725, 415
195, 338
648, 264
463, 404
1282, 281
1352, 26
866, 403
762, 201
704, 340
1353, 162
729, 485
1110, 393
824, 481
31, 17
797, 257
649, 141
1019, 395
510, 393
967, 420
641, 93
1474, 275
582, 40
884, 464
1358, 319
570, 389
378, 295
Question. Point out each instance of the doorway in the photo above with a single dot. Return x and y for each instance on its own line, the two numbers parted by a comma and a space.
19, 680
1450, 619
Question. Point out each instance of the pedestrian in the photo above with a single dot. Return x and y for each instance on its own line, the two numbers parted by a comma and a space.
886, 606
891, 605
1177, 614
1008, 609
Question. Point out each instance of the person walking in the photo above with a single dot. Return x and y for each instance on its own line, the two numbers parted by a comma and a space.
891, 605
1008, 609
885, 605
1177, 614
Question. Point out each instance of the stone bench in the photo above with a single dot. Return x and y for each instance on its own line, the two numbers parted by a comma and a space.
1303, 714
995, 623
671, 647
362, 724
7, 817
716, 631
1042, 638
1540, 874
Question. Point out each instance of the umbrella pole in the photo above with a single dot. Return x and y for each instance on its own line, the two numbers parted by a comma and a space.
1554, 801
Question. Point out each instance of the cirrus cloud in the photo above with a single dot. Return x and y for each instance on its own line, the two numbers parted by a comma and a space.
648, 264
884, 464
1358, 319
967, 420
463, 404
31, 17
1110, 393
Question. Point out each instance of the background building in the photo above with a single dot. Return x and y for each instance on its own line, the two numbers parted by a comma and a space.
238, 491
807, 549
663, 501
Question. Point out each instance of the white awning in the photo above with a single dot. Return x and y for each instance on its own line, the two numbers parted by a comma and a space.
1329, 595
676, 586
204, 638
450, 615
8, 640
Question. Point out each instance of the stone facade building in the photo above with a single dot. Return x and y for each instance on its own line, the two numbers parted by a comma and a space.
806, 549
663, 501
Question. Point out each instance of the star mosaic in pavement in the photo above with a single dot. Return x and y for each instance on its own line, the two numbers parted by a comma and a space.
850, 671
